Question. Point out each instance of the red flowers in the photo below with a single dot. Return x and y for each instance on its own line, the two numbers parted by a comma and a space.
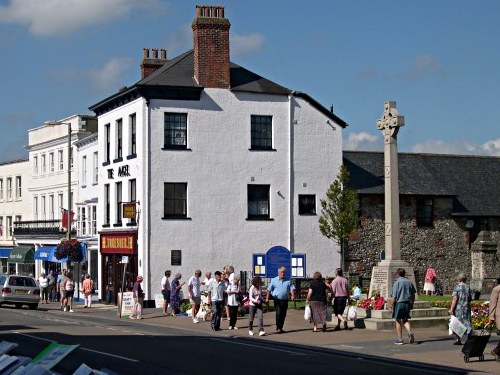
69, 249
374, 303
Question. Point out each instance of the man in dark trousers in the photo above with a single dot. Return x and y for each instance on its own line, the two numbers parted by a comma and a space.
280, 288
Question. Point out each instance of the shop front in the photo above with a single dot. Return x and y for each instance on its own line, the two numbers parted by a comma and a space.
118, 262
4, 258
21, 261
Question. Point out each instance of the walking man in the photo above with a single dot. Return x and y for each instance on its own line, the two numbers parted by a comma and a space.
280, 288
403, 295
216, 299
62, 293
194, 290
165, 291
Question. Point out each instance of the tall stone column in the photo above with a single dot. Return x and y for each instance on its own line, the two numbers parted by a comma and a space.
383, 274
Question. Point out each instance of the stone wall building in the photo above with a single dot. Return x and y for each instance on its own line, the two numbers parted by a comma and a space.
449, 213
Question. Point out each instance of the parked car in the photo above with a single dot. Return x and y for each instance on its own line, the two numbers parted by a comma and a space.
19, 291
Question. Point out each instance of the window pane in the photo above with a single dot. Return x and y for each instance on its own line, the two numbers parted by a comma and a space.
258, 201
261, 132
175, 131
175, 200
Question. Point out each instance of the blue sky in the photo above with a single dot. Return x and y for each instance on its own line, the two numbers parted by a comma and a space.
439, 60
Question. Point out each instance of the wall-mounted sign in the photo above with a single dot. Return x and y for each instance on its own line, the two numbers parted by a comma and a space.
129, 210
267, 264
119, 243
123, 171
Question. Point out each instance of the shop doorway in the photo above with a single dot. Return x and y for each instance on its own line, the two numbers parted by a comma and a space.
113, 268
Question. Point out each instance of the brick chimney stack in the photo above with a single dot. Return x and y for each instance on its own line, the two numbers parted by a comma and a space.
211, 47
151, 65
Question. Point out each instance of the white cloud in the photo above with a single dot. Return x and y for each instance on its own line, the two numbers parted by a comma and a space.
363, 141
245, 44
110, 74
490, 148
424, 65
50, 17
107, 78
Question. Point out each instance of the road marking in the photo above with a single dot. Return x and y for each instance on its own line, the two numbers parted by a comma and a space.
260, 346
80, 347
110, 355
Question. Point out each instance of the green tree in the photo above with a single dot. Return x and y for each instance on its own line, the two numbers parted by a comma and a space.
339, 212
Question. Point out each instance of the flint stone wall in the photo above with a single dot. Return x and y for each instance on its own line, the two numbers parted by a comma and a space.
445, 245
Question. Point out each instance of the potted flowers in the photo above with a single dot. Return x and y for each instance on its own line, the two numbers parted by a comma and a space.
69, 249
375, 302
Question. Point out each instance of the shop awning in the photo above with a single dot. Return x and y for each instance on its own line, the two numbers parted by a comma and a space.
46, 253
22, 254
5, 251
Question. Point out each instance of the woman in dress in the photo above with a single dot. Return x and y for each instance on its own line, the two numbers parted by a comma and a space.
460, 306
317, 298
175, 293
430, 281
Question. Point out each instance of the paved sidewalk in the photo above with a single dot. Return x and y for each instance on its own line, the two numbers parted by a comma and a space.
432, 346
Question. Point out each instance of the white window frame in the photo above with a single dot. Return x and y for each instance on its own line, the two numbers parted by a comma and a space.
51, 162
9, 188
96, 168
60, 156
19, 190
84, 170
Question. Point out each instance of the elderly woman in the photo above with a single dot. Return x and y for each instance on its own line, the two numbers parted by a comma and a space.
175, 293
460, 306
317, 297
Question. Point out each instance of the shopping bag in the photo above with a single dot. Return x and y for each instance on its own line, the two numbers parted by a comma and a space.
456, 326
351, 313
307, 313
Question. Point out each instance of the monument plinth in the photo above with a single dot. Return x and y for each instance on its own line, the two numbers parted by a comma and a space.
383, 274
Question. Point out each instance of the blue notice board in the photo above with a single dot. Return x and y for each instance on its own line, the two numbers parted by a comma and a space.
267, 264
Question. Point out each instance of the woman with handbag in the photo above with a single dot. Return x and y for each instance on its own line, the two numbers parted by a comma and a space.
317, 298
460, 305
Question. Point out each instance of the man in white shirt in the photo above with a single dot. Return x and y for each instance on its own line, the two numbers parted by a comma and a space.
165, 291
194, 289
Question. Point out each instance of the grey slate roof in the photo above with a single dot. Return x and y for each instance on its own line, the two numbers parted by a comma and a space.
176, 77
473, 181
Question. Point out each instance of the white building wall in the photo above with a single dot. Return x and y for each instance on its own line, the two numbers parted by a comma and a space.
15, 206
218, 167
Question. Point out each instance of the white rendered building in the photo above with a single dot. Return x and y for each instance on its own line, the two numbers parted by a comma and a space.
14, 206
222, 162
48, 186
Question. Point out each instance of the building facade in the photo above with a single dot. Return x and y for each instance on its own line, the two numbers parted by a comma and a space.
219, 163
14, 177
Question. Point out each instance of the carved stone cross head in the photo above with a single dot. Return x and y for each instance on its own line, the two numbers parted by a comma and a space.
390, 121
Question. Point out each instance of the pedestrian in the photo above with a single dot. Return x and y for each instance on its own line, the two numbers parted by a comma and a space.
52, 284
460, 305
232, 291
44, 286
194, 290
60, 290
87, 288
256, 306
403, 296
226, 275
138, 296
356, 292
68, 286
216, 299
316, 296
175, 293
280, 288
206, 282
430, 281
165, 291
340, 291
494, 317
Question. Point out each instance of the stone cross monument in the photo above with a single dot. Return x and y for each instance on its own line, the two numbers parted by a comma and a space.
383, 274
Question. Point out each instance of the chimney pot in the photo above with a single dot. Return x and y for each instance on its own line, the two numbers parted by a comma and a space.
146, 53
163, 53
155, 53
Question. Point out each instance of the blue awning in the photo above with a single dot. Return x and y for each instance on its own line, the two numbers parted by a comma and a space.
46, 253
5, 251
